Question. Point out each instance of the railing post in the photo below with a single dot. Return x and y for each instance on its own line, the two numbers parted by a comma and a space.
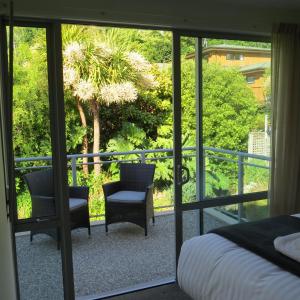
74, 173
143, 157
202, 192
240, 184
204, 175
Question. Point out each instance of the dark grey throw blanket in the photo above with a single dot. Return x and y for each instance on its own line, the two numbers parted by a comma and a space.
258, 238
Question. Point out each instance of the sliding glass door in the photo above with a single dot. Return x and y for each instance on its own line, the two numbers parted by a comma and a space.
221, 132
188, 158
220, 154
37, 164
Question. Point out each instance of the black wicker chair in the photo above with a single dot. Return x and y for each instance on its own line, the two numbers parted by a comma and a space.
131, 198
41, 188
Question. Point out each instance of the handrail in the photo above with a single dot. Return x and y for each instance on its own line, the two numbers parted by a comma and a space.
141, 156
146, 151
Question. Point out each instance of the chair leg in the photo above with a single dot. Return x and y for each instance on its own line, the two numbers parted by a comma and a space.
58, 239
31, 237
89, 230
146, 227
106, 228
153, 220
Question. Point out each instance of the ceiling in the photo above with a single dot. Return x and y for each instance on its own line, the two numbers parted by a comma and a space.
237, 16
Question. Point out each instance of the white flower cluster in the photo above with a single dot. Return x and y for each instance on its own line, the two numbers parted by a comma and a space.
138, 62
148, 81
73, 53
71, 77
84, 90
118, 92
104, 49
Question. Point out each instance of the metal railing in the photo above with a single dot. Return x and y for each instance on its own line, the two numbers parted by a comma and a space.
75, 161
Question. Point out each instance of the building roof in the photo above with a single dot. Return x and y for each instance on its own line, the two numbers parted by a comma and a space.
232, 48
255, 67
236, 47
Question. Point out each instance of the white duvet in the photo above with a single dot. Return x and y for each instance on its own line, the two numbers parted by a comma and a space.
214, 268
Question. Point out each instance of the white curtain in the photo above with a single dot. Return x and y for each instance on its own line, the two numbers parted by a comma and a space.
285, 165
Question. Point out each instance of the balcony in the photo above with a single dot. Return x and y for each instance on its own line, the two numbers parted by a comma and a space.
103, 264
124, 258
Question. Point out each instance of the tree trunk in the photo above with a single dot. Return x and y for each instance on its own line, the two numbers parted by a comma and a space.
85, 142
96, 145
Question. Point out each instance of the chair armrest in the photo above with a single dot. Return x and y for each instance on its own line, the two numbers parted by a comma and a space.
79, 192
150, 187
111, 188
42, 206
149, 199
149, 190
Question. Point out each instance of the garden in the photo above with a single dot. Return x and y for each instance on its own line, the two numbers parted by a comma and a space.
118, 98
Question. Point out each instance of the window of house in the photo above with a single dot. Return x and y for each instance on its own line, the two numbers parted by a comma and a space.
250, 79
234, 56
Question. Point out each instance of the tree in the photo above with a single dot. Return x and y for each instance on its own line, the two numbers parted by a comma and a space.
229, 111
156, 45
98, 70
31, 126
229, 108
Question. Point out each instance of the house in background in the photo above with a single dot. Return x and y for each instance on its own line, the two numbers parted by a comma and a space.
255, 77
251, 61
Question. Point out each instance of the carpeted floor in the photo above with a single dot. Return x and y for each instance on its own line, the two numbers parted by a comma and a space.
165, 292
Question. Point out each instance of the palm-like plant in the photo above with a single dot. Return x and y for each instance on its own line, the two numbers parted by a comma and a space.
98, 70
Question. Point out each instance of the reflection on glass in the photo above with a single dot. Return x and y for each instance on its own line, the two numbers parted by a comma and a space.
190, 224
215, 217
254, 210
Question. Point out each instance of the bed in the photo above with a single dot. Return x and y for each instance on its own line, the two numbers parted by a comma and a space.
212, 267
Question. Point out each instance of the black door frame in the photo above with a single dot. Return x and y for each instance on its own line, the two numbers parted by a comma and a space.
59, 159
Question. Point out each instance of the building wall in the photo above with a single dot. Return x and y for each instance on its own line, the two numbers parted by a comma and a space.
258, 86
249, 58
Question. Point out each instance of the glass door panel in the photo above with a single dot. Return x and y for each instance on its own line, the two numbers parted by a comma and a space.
236, 116
189, 134
228, 89
118, 106
31, 121
39, 267
37, 227
215, 217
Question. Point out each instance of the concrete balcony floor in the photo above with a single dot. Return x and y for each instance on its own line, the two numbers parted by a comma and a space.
103, 263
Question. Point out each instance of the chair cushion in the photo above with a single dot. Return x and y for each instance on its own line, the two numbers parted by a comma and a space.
127, 197
76, 203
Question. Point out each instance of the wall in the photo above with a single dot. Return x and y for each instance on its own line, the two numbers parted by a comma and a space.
7, 276
252, 17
